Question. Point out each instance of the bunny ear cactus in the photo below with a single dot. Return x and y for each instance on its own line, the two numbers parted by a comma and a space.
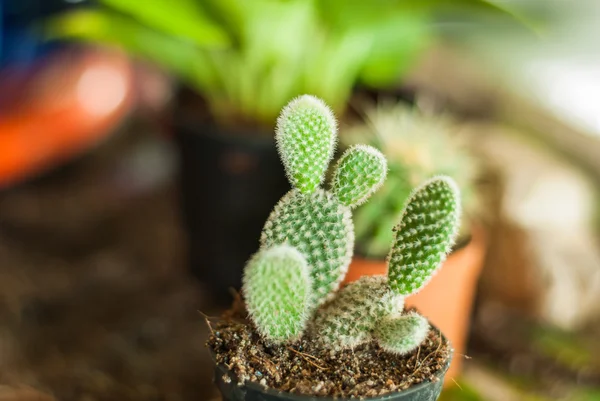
276, 287
315, 221
371, 307
307, 244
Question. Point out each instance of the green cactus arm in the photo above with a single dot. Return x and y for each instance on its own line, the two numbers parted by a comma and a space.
276, 287
425, 235
347, 321
401, 334
306, 136
321, 228
359, 173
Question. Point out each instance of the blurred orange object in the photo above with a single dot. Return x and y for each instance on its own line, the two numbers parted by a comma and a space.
71, 103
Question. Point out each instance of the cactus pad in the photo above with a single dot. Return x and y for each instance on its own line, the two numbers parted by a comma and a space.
306, 137
425, 235
321, 229
401, 334
276, 288
359, 173
349, 318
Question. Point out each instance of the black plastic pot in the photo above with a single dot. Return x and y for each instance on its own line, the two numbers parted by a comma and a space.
230, 181
230, 391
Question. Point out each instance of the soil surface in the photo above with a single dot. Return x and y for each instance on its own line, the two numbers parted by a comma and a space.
303, 368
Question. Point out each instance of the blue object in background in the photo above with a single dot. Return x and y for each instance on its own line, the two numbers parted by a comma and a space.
20, 46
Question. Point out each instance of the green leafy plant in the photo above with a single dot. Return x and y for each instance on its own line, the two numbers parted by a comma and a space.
291, 286
247, 58
417, 145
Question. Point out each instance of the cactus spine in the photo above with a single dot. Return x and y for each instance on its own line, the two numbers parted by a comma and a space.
418, 145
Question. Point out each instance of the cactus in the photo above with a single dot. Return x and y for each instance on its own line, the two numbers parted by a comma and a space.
276, 287
347, 320
418, 145
424, 236
307, 244
371, 307
401, 334
315, 221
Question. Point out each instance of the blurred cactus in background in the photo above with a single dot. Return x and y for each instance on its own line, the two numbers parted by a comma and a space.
417, 146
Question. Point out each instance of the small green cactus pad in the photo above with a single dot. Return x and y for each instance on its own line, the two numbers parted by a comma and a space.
425, 235
276, 288
359, 173
321, 228
349, 318
401, 334
306, 136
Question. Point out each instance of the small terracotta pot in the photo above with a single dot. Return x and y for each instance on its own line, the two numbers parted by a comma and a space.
447, 299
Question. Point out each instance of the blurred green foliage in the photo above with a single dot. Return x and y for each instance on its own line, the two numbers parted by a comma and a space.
461, 391
249, 58
568, 350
